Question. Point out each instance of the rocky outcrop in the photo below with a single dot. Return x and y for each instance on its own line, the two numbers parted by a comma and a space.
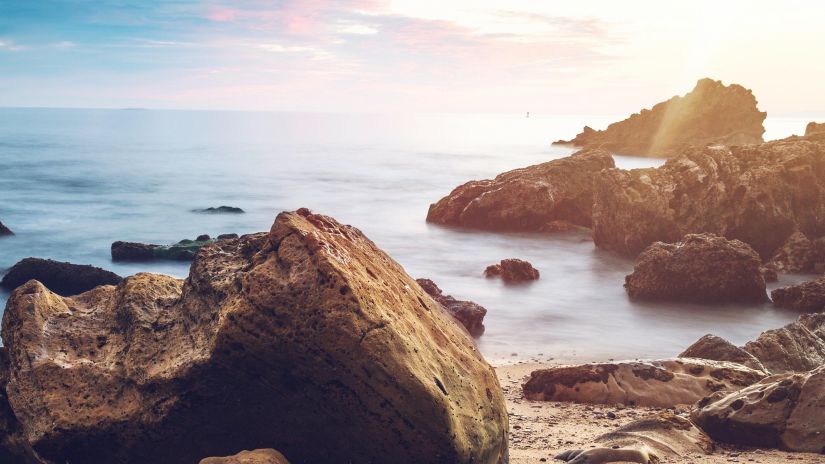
259, 456
469, 314
662, 383
14, 448
718, 349
702, 268
547, 197
797, 347
512, 271
814, 128
185, 250
307, 339
800, 255
220, 210
807, 297
61, 278
711, 114
5, 231
757, 194
785, 411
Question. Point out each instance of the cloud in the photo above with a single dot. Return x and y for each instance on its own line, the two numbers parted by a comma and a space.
9, 45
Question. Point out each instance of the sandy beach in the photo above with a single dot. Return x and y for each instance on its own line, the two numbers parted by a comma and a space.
539, 430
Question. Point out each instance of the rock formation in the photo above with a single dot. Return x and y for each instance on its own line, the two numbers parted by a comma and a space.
547, 197
61, 278
711, 114
307, 339
718, 349
797, 347
185, 250
469, 314
5, 231
14, 448
512, 271
220, 210
663, 383
800, 255
786, 412
259, 456
760, 195
814, 128
807, 297
702, 268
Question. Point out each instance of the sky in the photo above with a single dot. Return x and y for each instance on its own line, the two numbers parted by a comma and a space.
508, 56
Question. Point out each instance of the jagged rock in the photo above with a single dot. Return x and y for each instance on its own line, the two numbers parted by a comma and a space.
719, 349
307, 339
757, 194
663, 383
61, 278
785, 411
220, 210
5, 231
185, 250
711, 114
814, 128
512, 271
541, 198
259, 456
797, 347
807, 297
469, 314
702, 268
800, 255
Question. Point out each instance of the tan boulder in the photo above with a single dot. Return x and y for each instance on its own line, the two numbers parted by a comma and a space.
258, 456
796, 347
719, 349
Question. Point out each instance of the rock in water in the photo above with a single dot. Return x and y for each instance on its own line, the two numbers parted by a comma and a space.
185, 250
800, 255
757, 194
786, 412
546, 197
469, 314
719, 349
702, 268
5, 231
61, 278
814, 128
807, 297
797, 347
663, 383
221, 210
711, 114
512, 271
307, 339
259, 456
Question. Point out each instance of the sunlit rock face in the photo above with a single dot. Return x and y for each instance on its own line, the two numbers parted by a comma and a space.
548, 197
307, 339
814, 128
796, 347
711, 114
759, 194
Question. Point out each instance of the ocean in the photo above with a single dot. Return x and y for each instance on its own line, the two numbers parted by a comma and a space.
73, 181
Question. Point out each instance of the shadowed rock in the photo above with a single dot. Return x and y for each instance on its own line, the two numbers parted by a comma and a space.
806, 297
220, 210
185, 250
796, 347
702, 268
512, 271
14, 448
307, 339
259, 456
663, 383
548, 197
719, 349
711, 114
469, 314
5, 231
800, 255
61, 278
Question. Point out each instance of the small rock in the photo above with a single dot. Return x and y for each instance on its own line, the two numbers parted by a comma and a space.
512, 271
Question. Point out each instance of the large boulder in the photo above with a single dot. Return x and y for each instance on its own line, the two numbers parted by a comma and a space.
797, 347
307, 339
543, 198
800, 255
785, 411
807, 297
14, 448
702, 268
719, 349
469, 314
512, 271
258, 456
5, 231
61, 278
757, 194
663, 383
711, 114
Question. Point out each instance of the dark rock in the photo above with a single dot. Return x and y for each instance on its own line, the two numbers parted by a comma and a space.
132, 251
185, 250
5, 231
469, 314
259, 456
757, 194
807, 297
512, 271
800, 255
14, 448
307, 339
769, 274
719, 349
59, 277
784, 411
540, 198
797, 347
221, 210
227, 236
203, 238
711, 114
703, 268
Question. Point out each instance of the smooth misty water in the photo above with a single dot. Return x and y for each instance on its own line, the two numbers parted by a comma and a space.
74, 181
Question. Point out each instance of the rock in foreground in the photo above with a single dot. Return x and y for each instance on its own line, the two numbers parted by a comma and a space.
664, 383
786, 412
512, 271
469, 314
61, 278
547, 197
711, 114
307, 339
806, 297
259, 456
797, 347
5, 231
702, 268
718, 349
